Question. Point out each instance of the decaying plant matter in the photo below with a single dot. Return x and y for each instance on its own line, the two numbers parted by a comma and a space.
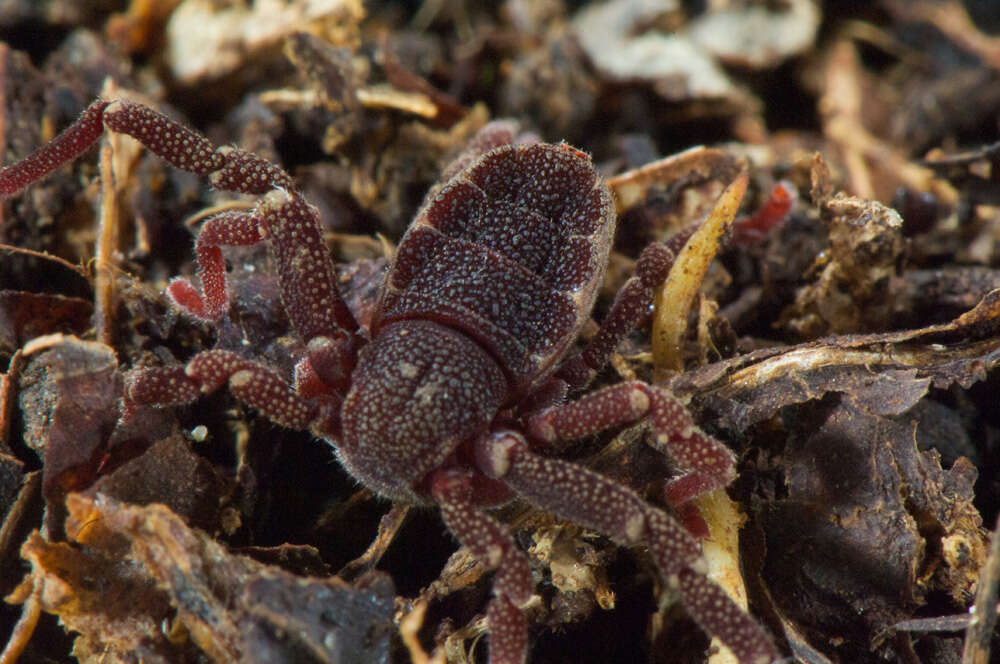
742, 395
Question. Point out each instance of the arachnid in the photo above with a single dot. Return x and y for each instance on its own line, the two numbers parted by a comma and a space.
456, 394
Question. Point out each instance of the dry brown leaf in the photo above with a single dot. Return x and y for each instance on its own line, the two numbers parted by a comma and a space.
169, 592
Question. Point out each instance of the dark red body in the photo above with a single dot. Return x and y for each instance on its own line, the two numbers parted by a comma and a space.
489, 288
453, 385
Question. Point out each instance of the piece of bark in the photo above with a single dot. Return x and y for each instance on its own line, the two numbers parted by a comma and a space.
866, 530
169, 593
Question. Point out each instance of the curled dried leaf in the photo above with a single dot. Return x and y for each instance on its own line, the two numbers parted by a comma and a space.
852, 282
229, 607
757, 35
866, 526
613, 36
635, 186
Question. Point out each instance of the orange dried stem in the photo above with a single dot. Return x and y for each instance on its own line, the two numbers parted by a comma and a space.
104, 280
24, 628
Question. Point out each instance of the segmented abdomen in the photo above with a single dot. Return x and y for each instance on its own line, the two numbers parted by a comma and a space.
511, 251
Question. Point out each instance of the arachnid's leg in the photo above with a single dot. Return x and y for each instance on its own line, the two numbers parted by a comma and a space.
228, 229
305, 276
549, 394
250, 382
491, 543
179, 146
708, 463
67, 146
583, 496
630, 305
309, 290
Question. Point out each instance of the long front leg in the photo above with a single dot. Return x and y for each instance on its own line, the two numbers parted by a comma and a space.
183, 148
309, 290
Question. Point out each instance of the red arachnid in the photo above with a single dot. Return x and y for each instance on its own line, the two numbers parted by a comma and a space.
469, 376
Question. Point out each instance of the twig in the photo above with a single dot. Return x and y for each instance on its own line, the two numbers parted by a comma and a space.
984, 615
387, 529
409, 627
79, 269
104, 281
29, 490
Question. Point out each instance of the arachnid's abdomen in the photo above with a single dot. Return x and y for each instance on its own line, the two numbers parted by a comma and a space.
510, 251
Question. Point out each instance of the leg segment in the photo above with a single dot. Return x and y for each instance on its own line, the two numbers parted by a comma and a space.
591, 499
305, 271
328, 364
230, 229
183, 148
492, 544
631, 304
508, 632
709, 463
253, 384
65, 147
720, 616
583, 496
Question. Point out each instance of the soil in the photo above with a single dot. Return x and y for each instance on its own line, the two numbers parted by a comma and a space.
837, 325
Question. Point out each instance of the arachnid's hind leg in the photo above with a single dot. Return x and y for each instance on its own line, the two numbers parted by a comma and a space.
493, 545
708, 464
593, 500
